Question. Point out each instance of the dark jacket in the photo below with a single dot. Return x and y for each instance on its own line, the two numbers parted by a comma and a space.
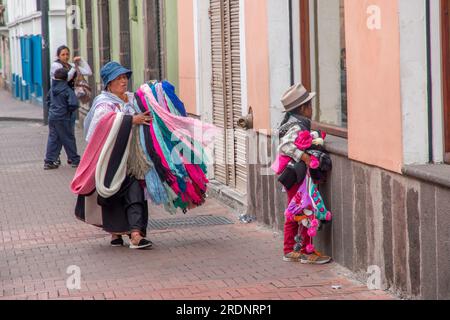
62, 101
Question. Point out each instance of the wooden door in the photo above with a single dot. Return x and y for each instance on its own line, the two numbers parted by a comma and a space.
305, 46
104, 32
154, 33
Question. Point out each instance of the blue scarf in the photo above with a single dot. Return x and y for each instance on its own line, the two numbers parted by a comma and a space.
169, 89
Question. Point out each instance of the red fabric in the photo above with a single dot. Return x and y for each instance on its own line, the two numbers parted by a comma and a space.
84, 181
291, 228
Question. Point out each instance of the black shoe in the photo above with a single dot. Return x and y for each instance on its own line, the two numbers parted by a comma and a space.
117, 243
50, 166
143, 244
74, 165
58, 162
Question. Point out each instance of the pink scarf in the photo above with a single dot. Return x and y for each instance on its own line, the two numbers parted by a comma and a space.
184, 128
173, 122
84, 181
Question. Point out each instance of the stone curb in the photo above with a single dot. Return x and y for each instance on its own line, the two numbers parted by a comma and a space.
13, 119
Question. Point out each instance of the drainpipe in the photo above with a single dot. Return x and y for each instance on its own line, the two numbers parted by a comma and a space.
429, 84
45, 56
291, 43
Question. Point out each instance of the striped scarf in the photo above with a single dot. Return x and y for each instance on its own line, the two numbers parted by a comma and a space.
111, 168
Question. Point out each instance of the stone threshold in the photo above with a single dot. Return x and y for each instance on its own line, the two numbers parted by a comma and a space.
438, 174
228, 196
337, 145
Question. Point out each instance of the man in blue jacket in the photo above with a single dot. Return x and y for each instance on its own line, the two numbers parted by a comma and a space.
62, 103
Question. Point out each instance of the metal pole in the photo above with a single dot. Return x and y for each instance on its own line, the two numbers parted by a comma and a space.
291, 44
45, 57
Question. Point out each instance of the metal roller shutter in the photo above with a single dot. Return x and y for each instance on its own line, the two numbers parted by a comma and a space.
230, 151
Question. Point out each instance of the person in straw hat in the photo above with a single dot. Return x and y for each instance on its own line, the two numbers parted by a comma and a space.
305, 205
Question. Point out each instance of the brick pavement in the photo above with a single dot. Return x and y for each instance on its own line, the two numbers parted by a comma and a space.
12, 108
40, 239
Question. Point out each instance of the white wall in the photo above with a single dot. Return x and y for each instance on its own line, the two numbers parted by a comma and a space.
57, 27
279, 54
23, 20
436, 62
413, 73
203, 63
18, 9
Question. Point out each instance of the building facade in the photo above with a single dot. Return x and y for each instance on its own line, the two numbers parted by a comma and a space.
138, 34
380, 69
25, 43
5, 58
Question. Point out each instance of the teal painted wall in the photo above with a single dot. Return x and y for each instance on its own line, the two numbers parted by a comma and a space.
137, 42
137, 30
96, 46
114, 25
83, 32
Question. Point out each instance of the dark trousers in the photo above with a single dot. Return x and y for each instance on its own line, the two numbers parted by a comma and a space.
73, 120
61, 135
127, 211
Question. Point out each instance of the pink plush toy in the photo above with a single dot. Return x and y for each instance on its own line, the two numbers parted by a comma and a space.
280, 164
314, 163
312, 232
310, 248
314, 223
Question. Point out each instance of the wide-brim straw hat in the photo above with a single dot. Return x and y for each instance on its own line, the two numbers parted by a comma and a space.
295, 97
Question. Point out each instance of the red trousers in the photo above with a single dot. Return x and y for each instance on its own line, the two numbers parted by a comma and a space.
292, 228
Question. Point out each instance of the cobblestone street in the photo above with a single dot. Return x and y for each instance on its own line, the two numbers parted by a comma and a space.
40, 238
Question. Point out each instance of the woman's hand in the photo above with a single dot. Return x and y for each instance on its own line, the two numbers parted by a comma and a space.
76, 59
142, 119
306, 159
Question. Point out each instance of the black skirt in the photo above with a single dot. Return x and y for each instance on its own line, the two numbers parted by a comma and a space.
125, 212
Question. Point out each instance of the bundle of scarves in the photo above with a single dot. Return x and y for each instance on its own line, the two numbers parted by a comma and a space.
168, 156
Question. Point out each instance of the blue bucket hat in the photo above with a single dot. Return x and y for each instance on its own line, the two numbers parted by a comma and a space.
113, 70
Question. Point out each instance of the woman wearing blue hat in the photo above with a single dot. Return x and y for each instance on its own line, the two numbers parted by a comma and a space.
126, 211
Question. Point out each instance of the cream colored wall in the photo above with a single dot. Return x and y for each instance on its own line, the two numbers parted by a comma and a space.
373, 62
186, 45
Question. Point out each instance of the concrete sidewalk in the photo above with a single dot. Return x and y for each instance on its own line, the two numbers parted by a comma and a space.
11, 108
40, 239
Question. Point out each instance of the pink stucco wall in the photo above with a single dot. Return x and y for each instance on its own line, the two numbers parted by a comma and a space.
373, 64
257, 57
186, 45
